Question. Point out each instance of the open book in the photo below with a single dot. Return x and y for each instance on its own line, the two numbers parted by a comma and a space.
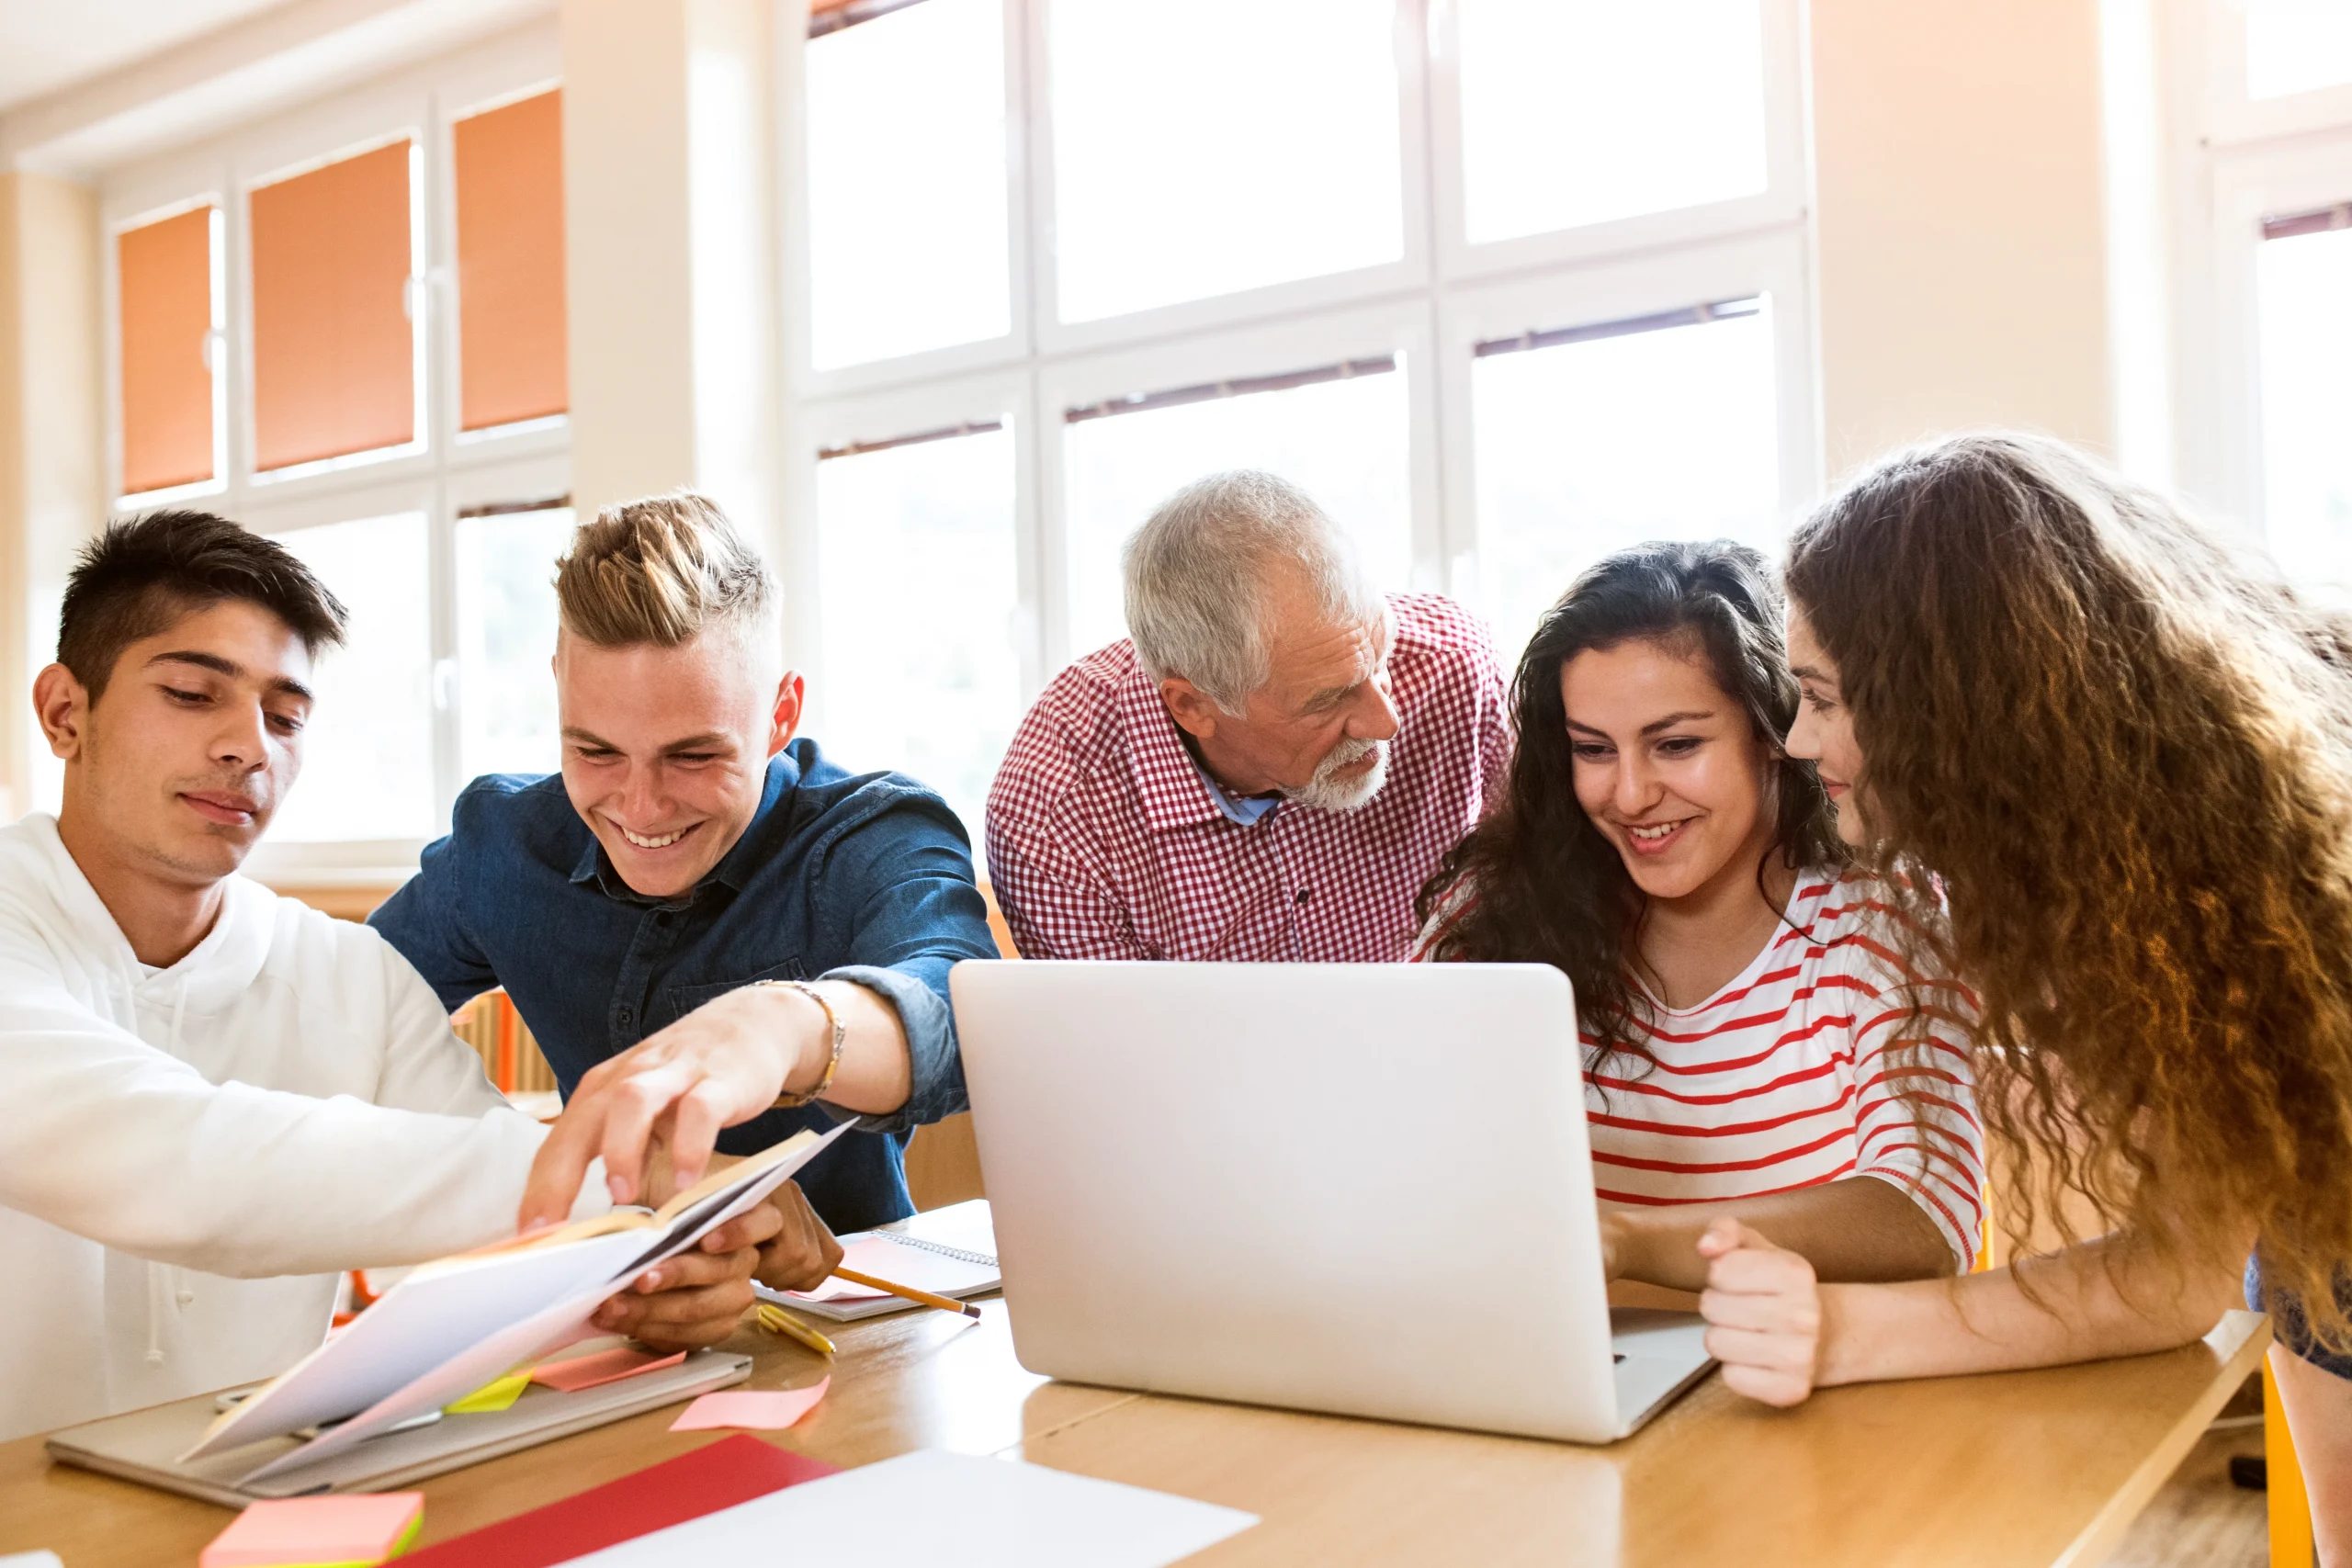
453, 1324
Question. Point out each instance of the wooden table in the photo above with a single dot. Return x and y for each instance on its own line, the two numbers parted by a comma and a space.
2025, 1468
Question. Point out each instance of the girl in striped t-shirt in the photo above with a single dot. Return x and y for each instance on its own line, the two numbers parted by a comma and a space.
1755, 1045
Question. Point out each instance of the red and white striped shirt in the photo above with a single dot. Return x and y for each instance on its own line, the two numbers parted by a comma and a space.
1104, 840
1790, 1075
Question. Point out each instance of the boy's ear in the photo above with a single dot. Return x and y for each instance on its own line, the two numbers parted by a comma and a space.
784, 720
63, 704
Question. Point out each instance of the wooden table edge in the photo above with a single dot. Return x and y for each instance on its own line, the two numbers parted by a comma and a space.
2099, 1538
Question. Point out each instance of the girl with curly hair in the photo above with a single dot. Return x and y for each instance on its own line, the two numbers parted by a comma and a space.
1754, 1045
2126, 760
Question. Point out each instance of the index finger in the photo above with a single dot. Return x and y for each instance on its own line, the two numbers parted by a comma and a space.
1750, 1273
630, 1110
558, 1168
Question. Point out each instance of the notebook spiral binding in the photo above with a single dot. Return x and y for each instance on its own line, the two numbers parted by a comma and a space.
960, 1254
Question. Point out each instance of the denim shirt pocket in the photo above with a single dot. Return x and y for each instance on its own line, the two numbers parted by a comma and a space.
679, 1000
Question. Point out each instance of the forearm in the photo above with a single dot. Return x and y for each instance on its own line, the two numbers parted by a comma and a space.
2098, 1299
1858, 1229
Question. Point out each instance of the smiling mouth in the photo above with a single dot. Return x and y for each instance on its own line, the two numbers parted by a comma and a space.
658, 841
1652, 837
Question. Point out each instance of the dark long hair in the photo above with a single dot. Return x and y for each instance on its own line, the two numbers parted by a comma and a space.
2127, 755
1536, 882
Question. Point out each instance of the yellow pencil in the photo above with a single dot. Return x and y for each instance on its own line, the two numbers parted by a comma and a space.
907, 1292
775, 1320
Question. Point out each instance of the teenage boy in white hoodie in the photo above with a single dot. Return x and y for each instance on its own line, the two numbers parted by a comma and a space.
217, 1100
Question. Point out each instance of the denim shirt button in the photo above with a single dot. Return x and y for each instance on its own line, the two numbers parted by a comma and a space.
627, 1016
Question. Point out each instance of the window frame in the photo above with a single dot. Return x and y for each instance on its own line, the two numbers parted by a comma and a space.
1429, 306
2232, 160
441, 473
1781, 202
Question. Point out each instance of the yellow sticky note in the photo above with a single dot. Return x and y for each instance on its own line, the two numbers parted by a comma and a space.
491, 1396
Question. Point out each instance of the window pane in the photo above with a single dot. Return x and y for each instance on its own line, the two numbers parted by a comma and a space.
2293, 46
2306, 303
334, 352
367, 753
1579, 111
506, 625
164, 282
906, 183
918, 577
512, 358
1343, 442
1206, 146
1590, 447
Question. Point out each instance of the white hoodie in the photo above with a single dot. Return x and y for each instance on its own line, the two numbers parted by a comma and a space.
189, 1157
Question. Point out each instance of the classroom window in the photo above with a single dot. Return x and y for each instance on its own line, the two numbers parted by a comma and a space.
368, 750
1203, 147
1338, 431
1120, 245
168, 311
1594, 438
907, 180
1580, 111
508, 164
2296, 46
506, 630
334, 346
366, 357
920, 590
2304, 284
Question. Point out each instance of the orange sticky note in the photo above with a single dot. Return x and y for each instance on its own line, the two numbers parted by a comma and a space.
758, 1410
604, 1367
319, 1532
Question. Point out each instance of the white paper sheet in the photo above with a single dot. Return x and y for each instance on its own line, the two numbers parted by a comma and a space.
420, 1323
463, 1322
931, 1510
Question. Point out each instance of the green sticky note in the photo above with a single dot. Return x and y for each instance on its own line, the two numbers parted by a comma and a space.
497, 1395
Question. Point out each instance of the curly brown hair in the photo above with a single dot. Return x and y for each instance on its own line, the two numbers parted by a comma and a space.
1536, 882
2126, 756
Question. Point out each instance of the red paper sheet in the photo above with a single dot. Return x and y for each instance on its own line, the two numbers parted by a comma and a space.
731, 1470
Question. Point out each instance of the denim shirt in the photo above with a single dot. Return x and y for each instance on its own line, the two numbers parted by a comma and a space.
866, 879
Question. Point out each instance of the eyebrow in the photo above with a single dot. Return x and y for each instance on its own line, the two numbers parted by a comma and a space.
1669, 722
1807, 672
230, 667
691, 743
1386, 643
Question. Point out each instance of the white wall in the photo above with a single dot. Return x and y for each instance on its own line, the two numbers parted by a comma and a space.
1962, 262
52, 448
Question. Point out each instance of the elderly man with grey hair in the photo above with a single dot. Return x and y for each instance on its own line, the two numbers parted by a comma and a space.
1267, 768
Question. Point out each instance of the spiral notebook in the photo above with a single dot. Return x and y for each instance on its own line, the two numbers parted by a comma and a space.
949, 1252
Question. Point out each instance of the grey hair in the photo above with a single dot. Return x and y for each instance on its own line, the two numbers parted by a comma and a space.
1196, 580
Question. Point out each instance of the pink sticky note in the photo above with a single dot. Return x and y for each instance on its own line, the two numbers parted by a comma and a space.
758, 1410
354, 1529
604, 1367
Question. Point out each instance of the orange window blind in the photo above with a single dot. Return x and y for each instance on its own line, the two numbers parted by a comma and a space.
510, 262
164, 273
334, 361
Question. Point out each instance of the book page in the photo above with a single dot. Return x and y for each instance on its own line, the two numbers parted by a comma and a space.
381, 1369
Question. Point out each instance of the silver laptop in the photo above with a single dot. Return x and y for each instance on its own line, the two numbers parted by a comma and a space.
1361, 1188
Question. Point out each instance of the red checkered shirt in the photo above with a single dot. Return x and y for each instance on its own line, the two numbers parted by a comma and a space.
1106, 841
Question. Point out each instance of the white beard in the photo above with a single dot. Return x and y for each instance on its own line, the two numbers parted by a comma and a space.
1326, 792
